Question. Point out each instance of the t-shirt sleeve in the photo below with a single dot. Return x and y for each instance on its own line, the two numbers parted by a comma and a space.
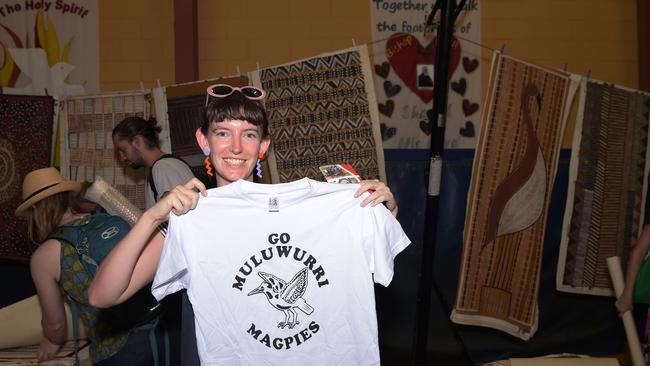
168, 173
172, 273
386, 240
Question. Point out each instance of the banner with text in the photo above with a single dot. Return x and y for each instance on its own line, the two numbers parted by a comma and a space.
49, 47
404, 51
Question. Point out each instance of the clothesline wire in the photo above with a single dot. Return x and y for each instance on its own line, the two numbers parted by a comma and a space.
482, 46
459, 37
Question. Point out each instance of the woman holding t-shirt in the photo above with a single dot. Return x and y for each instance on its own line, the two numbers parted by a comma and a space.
234, 137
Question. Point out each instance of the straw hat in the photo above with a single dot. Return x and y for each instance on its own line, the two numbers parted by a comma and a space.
42, 183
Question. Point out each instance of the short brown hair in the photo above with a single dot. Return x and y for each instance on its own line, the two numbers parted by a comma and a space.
236, 107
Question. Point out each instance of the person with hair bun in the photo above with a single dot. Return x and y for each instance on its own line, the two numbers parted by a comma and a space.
137, 145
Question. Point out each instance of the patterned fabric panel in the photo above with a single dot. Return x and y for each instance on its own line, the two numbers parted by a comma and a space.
609, 165
319, 114
25, 145
512, 177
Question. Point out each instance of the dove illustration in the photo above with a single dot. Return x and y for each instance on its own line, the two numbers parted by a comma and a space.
45, 80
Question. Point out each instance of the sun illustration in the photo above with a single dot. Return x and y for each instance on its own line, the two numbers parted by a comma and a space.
45, 37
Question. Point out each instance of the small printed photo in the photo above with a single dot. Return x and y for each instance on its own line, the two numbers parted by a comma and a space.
338, 174
348, 180
424, 76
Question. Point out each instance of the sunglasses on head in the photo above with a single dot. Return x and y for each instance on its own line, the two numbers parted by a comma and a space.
224, 90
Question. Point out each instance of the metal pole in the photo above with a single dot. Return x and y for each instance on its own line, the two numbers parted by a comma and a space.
449, 11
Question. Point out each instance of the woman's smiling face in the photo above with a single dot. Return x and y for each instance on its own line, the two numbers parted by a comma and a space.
234, 148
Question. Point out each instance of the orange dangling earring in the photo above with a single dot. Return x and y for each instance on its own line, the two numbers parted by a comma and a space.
208, 166
258, 166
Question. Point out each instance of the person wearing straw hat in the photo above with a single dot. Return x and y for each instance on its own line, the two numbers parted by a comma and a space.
65, 261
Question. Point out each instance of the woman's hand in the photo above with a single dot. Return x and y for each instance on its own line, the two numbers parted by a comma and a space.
46, 350
623, 304
381, 194
179, 200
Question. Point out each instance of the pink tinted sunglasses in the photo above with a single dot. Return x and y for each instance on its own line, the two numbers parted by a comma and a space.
224, 90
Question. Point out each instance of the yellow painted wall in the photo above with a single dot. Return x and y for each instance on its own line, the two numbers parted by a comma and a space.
136, 37
585, 34
136, 43
246, 32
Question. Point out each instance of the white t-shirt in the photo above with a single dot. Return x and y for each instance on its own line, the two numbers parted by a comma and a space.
167, 173
282, 274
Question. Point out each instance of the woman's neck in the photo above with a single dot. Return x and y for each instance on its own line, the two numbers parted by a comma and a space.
70, 216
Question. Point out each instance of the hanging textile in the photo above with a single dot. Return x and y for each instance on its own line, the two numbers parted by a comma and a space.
512, 176
607, 186
322, 111
25, 145
87, 145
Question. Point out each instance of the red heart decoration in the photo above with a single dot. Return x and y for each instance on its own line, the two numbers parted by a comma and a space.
404, 53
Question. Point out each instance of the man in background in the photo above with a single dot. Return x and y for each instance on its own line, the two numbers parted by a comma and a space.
138, 146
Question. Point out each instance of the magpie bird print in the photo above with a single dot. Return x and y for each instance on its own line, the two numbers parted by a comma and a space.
284, 296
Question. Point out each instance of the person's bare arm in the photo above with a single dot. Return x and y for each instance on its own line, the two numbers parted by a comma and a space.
132, 263
381, 194
638, 253
45, 268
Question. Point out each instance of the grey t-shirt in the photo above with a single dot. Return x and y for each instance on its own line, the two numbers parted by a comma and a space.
167, 173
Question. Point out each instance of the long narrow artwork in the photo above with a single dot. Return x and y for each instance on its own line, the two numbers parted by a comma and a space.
322, 111
607, 179
25, 144
512, 177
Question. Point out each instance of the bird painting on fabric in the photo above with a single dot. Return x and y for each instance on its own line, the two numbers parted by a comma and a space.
285, 296
45, 80
519, 199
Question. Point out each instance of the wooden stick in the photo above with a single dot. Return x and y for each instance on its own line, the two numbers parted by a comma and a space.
615, 271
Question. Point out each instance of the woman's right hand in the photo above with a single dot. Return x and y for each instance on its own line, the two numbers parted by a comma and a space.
179, 200
623, 304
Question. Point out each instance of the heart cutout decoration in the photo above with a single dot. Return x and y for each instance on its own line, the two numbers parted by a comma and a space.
425, 126
469, 65
383, 69
387, 109
404, 53
390, 89
468, 130
387, 132
459, 86
469, 108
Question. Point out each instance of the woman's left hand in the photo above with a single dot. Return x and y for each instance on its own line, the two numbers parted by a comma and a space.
47, 350
381, 194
